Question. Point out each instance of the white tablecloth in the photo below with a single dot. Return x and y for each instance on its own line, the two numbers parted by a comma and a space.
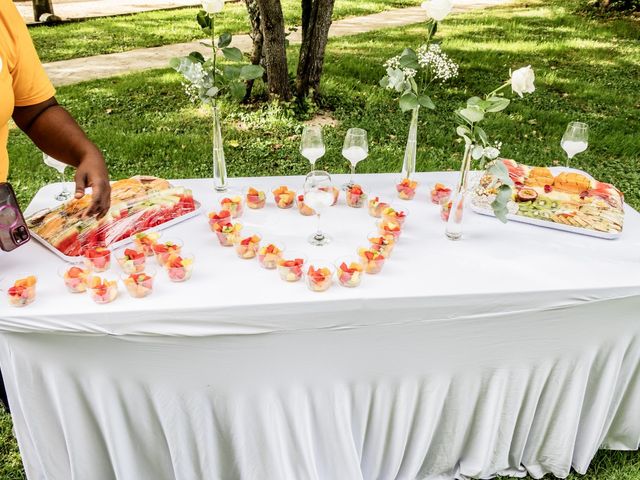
514, 350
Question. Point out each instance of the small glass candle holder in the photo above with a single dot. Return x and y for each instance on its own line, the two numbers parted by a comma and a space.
255, 198
130, 260
165, 249
269, 253
283, 196
291, 265
139, 285
407, 189
221, 217
232, 202
180, 267
97, 258
75, 277
22, 291
349, 272
247, 244
227, 233
144, 241
376, 205
356, 196
319, 275
384, 243
102, 289
372, 260
303, 208
394, 214
390, 228
335, 191
440, 193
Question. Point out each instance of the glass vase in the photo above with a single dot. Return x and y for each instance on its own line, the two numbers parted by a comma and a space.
409, 164
456, 212
219, 164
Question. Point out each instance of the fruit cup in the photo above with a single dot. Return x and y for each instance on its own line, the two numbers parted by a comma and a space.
390, 228
319, 276
144, 241
372, 260
97, 258
356, 197
130, 260
224, 216
140, 284
303, 208
376, 205
75, 277
269, 254
255, 198
383, 243
247, 245
407, 189
102, 290
440, 193
227, 233
349, 271
233, 203
165, 249
283, 196
290, 266
445, 209
394, 214
334, 190
22, 292
179, 267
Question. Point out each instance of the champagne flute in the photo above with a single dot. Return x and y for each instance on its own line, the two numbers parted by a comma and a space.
575, 139
318, 195
312, 145
355, 149
65, 194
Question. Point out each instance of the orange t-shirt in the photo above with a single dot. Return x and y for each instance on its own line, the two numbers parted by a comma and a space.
23, 81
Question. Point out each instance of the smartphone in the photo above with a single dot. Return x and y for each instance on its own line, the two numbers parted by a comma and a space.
13, 229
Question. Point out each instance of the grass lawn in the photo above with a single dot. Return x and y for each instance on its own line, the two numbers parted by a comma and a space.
152, 29
586, 70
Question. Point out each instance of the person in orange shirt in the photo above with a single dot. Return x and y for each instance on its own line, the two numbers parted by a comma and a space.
27, 95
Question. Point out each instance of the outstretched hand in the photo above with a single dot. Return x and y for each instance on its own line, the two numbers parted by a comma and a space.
92, 172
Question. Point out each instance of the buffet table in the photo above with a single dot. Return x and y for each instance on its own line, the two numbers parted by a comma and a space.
514, 350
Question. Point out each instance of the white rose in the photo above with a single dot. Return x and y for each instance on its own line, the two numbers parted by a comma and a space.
438, 9
522, 81
213, 6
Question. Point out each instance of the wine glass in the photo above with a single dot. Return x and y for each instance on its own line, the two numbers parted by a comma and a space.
65, 194
312, 145
355, 149
318, 195
575, 139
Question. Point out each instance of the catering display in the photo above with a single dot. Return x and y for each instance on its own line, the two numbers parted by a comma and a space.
137, 204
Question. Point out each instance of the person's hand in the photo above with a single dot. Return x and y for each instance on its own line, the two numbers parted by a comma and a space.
92, 172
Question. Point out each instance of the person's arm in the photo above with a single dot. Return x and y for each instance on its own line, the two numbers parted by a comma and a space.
57, 134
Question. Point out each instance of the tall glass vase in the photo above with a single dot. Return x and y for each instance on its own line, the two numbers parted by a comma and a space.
219, 164
409, 164
456, 213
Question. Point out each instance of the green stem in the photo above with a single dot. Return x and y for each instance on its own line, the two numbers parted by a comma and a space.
504, 85
213, 46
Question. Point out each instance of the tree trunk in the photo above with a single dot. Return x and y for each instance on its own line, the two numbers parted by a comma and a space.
274, 48
40, 8
257, 57
316, 20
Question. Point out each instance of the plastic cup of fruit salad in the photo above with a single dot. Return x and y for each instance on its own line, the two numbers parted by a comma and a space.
394, 214
75, 277
144, 241
303, 208
227, 233
406, 189
166, 248
291, 266
21, 290
255, 198
376, 203
390, 228
102, 289
356, 196
180, 267
232, 201
247, 244
269, 253
440, 193
319, 275
130, 259
384, 243
97, 258
372, 260
349, 271
283, 196
139, 284
221, 217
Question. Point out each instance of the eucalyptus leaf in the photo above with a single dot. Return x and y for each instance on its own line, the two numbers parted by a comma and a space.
497, 104
426, 102
231, 72
409, 62
477, 152
384, 81
238, 90
197, 57
224, 40
251, 72
213, 91
482, 135
472, 113
500, 171
463, 131
203, 19
174, 63
474, 101
499, 205
408, 101
232, 53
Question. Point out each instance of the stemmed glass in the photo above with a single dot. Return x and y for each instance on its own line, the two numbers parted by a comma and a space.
355, 149
312, 145
575, 139
65, 194
318, 195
